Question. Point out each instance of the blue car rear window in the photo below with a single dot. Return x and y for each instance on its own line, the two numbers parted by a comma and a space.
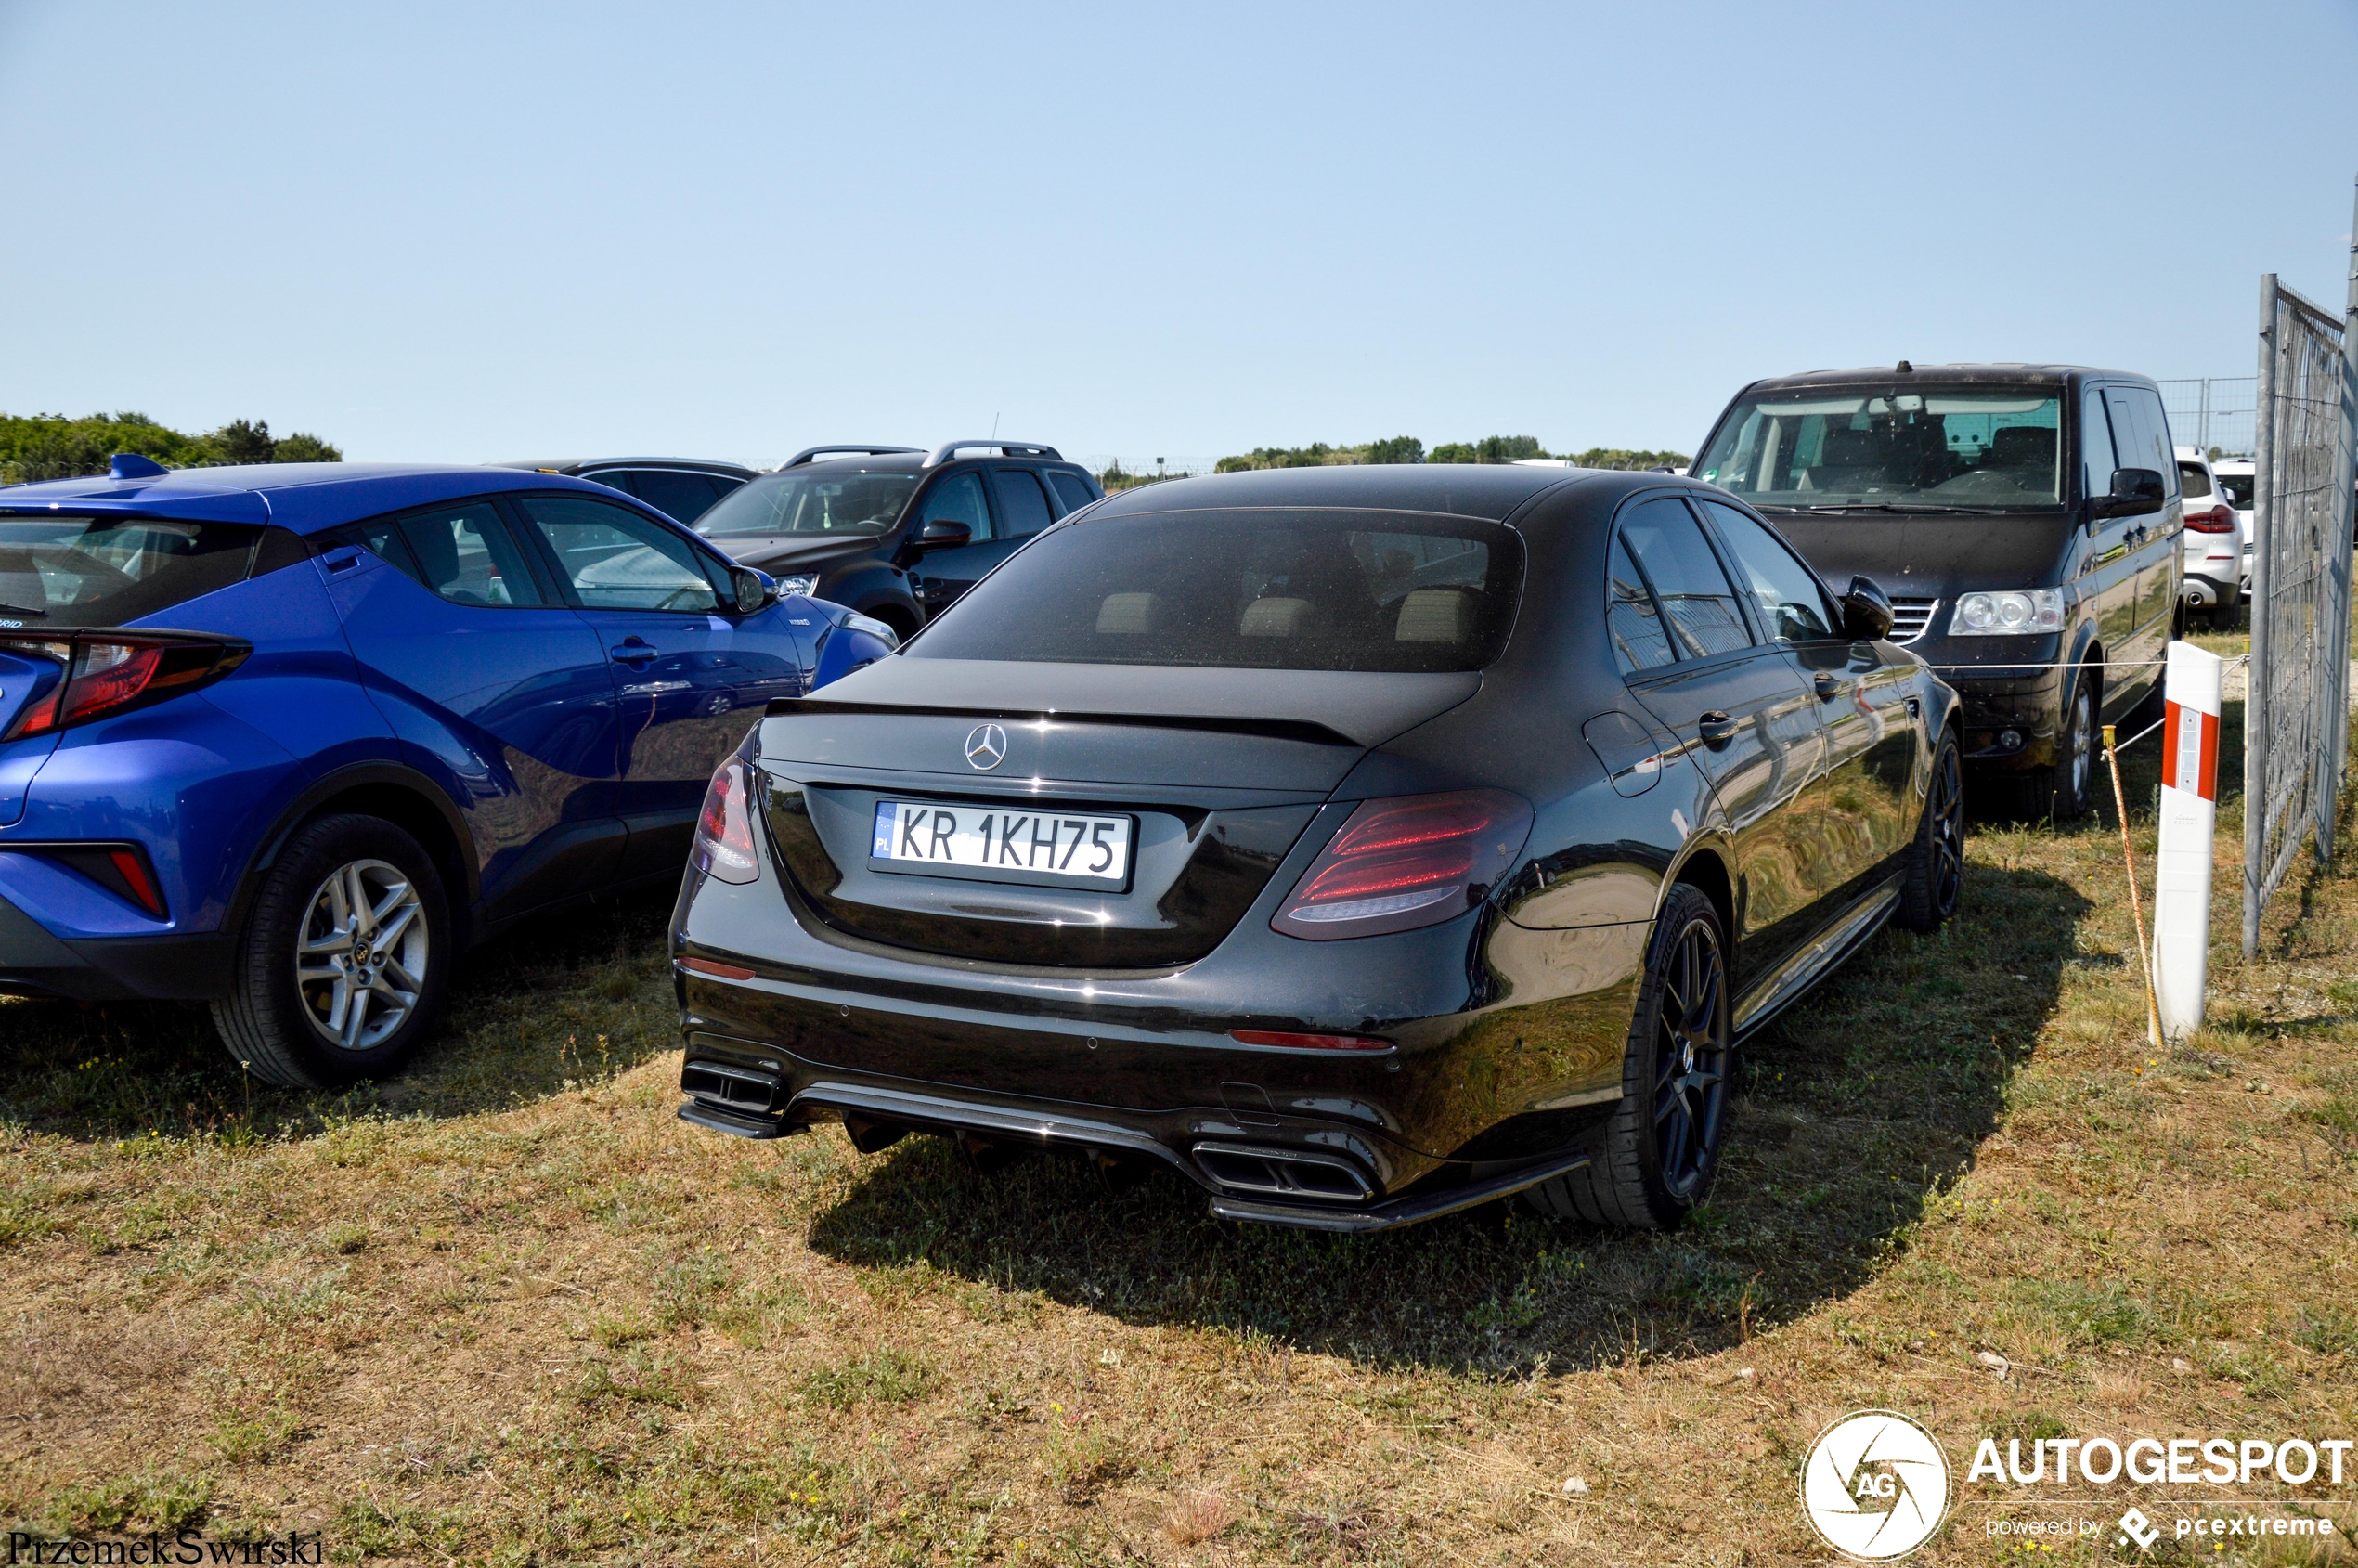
61, 570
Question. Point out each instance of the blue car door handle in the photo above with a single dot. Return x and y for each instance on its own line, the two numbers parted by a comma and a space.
634, 650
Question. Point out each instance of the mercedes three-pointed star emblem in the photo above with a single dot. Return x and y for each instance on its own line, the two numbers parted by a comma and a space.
986, 748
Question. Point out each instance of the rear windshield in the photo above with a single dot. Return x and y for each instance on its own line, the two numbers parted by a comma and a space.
1275, 589
2192, 479
1902, 450
60, 571
2239, 487
819, 500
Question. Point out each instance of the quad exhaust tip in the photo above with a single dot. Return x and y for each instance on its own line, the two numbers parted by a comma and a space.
1284, 1174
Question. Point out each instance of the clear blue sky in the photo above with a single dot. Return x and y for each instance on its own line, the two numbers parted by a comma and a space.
480, 231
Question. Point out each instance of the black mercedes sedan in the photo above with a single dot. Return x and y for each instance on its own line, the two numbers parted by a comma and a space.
1361, 843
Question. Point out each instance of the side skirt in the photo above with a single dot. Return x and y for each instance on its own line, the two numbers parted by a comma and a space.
1786, 984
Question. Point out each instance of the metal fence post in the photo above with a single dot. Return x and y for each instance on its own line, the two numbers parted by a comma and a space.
2256, 666
2333, 733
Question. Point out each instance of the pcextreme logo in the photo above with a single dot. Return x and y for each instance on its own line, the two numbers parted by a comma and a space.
1875, 1485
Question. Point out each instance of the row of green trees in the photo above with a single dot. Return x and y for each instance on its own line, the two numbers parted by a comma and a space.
1407, 448
53, 446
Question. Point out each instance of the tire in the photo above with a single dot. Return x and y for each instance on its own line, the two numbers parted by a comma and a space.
321, 1031
2063, 791
1661, 1148
1932, 867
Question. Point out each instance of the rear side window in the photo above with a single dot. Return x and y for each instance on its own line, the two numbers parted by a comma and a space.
464, 553
677, 494
1696, 597
1021, 502
1071, 489
1639, 640
58, 570
1274, 588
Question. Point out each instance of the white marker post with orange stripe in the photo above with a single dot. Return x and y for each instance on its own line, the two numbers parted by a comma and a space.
2189, 816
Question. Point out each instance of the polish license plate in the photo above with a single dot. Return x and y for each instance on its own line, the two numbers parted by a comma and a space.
925, 835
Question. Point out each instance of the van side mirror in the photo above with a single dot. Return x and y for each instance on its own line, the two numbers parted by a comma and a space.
751, 589
943, 533
1866, 611
2135, 491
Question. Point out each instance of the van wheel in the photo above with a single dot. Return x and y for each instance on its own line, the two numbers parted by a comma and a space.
1933, 868
1661, 1149
345, 960
2063, 791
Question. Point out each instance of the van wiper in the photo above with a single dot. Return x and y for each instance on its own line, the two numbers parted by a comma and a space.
1909, 508
22, 610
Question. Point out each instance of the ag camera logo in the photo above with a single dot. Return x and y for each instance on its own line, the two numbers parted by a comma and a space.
1875, 1485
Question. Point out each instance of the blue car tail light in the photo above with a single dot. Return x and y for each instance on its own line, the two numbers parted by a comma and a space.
110, 671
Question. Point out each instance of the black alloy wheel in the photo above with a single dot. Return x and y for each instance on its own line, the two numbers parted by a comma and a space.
1661, 1149
1933, 868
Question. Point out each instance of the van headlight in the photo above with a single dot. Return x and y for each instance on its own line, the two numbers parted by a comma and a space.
2023, 613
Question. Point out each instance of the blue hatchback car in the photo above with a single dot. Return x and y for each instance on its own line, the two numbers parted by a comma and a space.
287, 740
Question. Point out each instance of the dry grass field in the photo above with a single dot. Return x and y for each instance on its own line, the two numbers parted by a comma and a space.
510, 1310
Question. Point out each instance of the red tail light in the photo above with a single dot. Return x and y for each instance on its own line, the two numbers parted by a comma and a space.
1413, 859
2217, 520
724, 830
108, 672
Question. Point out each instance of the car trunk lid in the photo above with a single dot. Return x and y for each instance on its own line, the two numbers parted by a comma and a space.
1219, 771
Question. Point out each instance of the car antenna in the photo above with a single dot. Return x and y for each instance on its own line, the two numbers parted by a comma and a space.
1906, 369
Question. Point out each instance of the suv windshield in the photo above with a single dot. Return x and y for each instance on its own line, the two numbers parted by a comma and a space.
60, 571
1278, 589
809, 500
1870, 450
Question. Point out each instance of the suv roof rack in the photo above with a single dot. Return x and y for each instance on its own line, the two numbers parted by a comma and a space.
942, 454
808, 453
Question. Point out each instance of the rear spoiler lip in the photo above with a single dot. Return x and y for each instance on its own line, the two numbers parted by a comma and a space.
1304, 730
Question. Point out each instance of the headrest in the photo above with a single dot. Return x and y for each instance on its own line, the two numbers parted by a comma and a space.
2023, 445
1126, 615
1435, 614
1275, 617
1849, 449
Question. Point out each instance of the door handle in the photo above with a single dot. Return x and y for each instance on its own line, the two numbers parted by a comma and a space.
343, 559
1716, 728
634, 650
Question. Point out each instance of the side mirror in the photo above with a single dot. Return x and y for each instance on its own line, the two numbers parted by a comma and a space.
943, 533
2135, 491
1866, 611
753, 589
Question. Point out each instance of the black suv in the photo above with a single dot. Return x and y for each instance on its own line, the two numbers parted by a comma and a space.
684, 488
2025, 520
855, 524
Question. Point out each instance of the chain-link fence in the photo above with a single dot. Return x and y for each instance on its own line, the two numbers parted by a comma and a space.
2305, 462
2212, 413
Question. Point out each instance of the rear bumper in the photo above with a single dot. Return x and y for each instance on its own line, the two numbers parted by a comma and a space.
1267, 1169
162, 968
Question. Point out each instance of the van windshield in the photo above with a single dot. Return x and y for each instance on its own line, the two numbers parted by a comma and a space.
1967, 450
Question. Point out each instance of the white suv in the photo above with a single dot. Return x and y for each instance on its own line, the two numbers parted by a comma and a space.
2236, 476
2213, 552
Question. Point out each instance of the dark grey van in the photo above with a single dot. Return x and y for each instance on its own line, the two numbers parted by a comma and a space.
2024, 519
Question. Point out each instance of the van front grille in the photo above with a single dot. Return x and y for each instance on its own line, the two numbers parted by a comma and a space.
1909, 617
